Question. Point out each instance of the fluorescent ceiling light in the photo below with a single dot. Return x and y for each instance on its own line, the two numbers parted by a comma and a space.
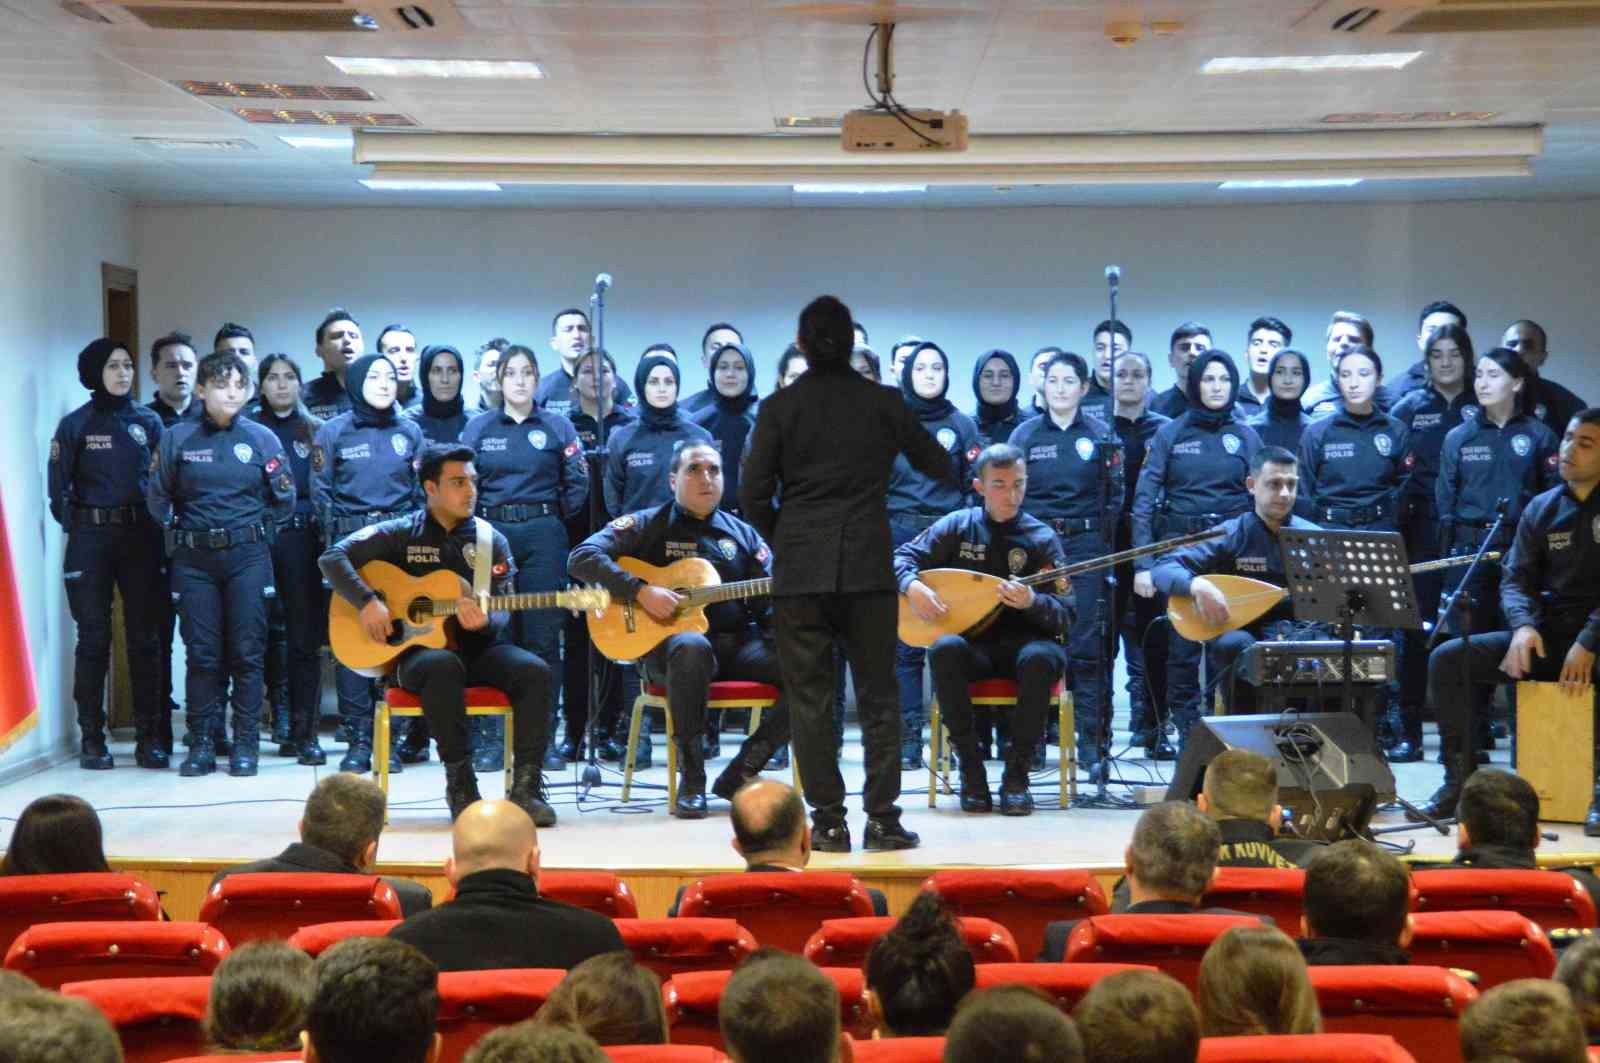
307, 143
1293, 182
854, 190
1247, 64
429, 184
372, 66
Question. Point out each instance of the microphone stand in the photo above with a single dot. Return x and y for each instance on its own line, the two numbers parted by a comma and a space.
1108, 589
597, 303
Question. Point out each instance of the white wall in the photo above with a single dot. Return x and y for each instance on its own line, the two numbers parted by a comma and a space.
970, 279
55, 234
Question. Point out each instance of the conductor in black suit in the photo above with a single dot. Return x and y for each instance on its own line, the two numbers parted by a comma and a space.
824, 445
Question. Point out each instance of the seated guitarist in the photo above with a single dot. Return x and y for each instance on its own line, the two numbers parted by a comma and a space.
1249, 548
444, 535
739, 644
1024, 639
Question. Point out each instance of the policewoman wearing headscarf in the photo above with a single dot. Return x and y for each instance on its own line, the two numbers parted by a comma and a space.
1282, 421
99, 469
731, 412
996, 383
1193, 479
442, 413
361, 474
640, 453
916, 502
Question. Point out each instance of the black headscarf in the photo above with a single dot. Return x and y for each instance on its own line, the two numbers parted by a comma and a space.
651, 416
1199, 413
92, 372
432, 407
926, 409
355, 378
738, 404
1287, 409
989, 412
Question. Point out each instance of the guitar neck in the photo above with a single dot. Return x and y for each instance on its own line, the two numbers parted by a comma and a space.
505, 603
728, 592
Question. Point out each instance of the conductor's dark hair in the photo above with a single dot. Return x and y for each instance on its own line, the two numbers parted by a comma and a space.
778, 1005
55, 835
1356, 890
827, 332
338, 313
920, 970
1271, 456
1441, 306
1012, 1024
221, 366
713, 327
1119, 327
1271, 324
1186, 330
774, 832
1499, 808
1138, 1017
997, 456
175, 338
1072, 361
376, 998
434, 456
556, 320
232, 331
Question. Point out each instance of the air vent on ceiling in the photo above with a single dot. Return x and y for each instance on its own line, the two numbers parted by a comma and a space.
274, 16
1451, 16
1406, 117
193, 146
357, 119
799, 121
247, 90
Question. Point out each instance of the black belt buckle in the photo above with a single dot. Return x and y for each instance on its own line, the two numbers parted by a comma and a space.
218, 538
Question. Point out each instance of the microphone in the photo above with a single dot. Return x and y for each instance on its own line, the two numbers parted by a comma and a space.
602, 282
1114, 275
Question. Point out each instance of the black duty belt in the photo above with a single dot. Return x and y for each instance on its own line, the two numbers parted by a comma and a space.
916, 520
298, 522
343, 526
516, 514
218, 538
1189, 522
95, 517
1072, 525
1359, 515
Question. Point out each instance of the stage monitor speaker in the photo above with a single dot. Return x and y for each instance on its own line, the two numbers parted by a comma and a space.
1331, 777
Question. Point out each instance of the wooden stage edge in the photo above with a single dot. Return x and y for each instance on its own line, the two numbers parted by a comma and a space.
183, 883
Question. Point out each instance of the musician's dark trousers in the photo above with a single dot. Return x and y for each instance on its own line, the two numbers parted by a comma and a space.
1222, 653
688, 662
1421, 532
539, 547
1087, 645
1147, 681
806, 626
908, 661
1035, 663
439, 678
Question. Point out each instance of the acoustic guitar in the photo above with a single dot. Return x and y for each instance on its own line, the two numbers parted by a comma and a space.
973, 598
627, 632
1248, 599
421, 610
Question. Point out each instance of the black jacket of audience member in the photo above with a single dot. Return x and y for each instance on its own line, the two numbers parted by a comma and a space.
414, 896
1056, 934
498, 920
1346, 952
1245, 843
880, 903
1512, 858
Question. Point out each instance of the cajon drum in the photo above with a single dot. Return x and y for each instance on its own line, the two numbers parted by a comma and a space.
1555, 749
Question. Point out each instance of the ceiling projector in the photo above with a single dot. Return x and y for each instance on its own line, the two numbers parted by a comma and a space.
881, 130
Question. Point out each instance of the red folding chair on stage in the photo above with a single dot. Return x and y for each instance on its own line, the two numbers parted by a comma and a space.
156, 1019
1549, 898
317, 938
1419, 1007
1064, 983
1002, 693
899, 1050
262, 905
848, 942
53, 954
1304, 1048
692, 1000
473, 1003
674, 946
781, 908
597, 891
1496, 946
97, 896
1024, 902
1173, 943
1275, 892
721, 694
398, 701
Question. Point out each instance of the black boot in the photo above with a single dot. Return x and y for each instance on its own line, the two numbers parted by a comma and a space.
358, 757
1408, 750
488, 743
691, 803
779, 761
246, 751
305, 733
884, 835
1015, 800
147, 751
278, 698
528, 794
414, 745
460, 786
202, 756
571, 750
92, 752
745, 765
164, 731
219, 734
974, 778
1442, 803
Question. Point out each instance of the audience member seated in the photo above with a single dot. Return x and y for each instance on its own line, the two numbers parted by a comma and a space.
339, 833
375, 999
260, 993
772, 833
781, 1007
497, 918
11, 982
55, 835
1579, 971
1168, 865
1138, 1017
918, 972
610, 998
1253, 981
45, 1027
1011, 1024
529, 1042
1529, 1021
1358, 901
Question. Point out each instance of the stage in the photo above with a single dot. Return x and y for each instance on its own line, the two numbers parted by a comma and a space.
177, 831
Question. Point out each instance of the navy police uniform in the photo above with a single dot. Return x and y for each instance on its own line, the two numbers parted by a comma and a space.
1144, 657
326, 397
729, 421
1281, 422
1171, 403
1551, 403
166, 615
558, 394
441, 421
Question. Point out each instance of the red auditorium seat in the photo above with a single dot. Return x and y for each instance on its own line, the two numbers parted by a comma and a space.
156, 1018
899, 1050
473, 1003
662, 1054
1417, 1006
676, 946
1024, 902
1277, 893
1497, 946
319, 937
1065, 983
1174, 943
1304, 1048
692, 1001
274, 904
781, 908
598, 891
848, 942
1549, 898
98, 896
261, 1057
55, 953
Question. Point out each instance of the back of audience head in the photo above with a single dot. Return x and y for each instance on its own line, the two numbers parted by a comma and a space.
769, 824
1173, 855
1011, 1024
1240, 784
1138, 1017
610, 998
1356, 891
1498, 808
12, 982
779, 1006
55, 835
259, 996
532, 1042
918, 972
1530, 1020
1579, 971
1253, 980
344, 816
50, 1028
492, 836
376, 998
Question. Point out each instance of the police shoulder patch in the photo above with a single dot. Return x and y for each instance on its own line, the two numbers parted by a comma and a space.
624, 522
